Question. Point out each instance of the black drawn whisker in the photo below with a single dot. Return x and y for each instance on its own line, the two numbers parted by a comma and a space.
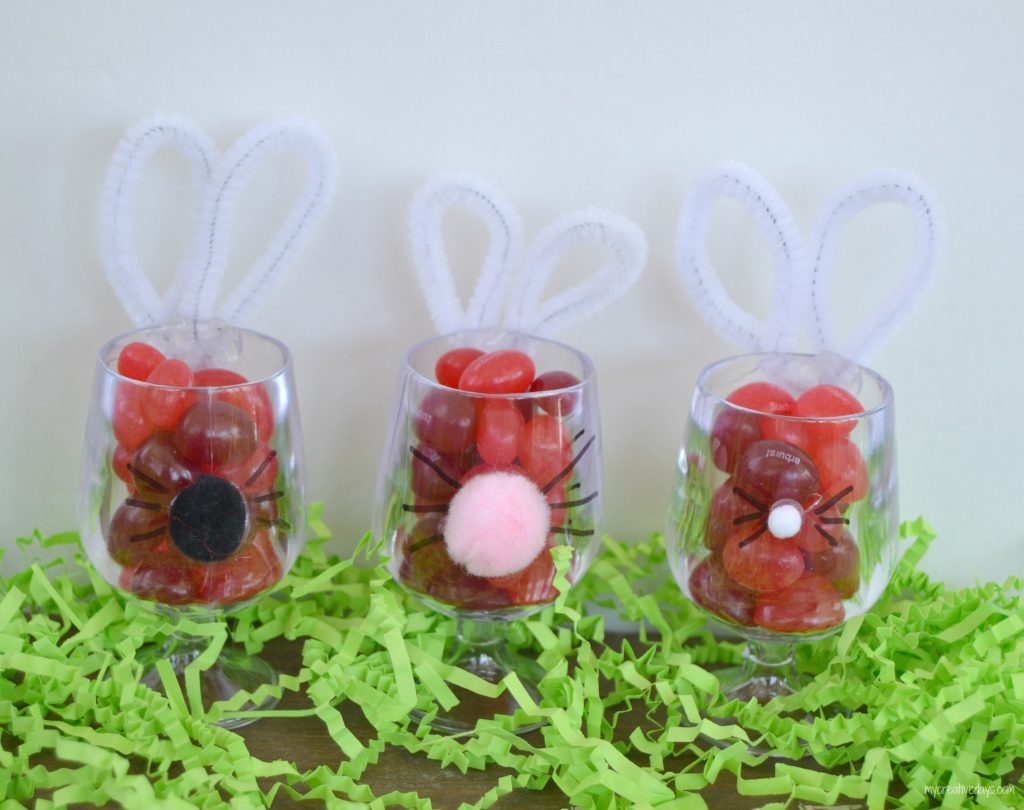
831, 540
754, 536
440, 473
821, 510
760, 507
569, 467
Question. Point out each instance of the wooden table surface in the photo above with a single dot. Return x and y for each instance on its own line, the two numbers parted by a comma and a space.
305, 741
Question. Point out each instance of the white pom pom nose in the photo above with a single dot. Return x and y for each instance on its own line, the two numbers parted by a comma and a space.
785, 519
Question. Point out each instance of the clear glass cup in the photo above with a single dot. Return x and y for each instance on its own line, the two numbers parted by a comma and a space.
192, 485
783, 527
476, 488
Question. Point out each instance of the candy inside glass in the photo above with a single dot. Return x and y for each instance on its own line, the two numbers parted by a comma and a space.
784, 523
493, 459
191, 494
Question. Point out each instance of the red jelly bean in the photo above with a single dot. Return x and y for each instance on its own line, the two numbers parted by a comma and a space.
764, 398
825, 401
558, 404
446, 420
242, 394
165, 406
716, 593
498, 432
480, 469
841, 465
138, 360
451, 364
505, 371
789, 431
533, 585
128, 421
764, 563
256, 474
168, 578
839, 563
808, 604
544, 449
254, 568
816, 530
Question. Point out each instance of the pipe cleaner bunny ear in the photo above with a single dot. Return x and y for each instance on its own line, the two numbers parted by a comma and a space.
430, 258
138, 146
243, 159
884, 187
193, 292
508, 279
779, 331
627, 250
802, 286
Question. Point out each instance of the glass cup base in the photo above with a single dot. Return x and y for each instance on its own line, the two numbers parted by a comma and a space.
768, 671
234, 671
481, 650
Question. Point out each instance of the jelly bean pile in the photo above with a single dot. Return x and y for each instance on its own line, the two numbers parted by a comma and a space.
459, 437
751, 577
200, 524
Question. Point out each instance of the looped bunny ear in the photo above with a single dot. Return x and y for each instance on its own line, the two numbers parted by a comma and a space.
777, 332
883, 187
200, 286
627, 249
430, 258
138, 146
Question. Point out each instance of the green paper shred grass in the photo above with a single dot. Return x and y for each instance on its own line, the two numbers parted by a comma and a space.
931, 683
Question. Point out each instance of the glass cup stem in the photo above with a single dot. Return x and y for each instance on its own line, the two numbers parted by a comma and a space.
233, 671
480, 649
768, 670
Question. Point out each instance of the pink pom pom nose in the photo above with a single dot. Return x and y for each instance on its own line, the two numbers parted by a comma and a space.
497, 524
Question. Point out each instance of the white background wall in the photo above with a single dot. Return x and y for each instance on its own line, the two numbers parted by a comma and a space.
563, 104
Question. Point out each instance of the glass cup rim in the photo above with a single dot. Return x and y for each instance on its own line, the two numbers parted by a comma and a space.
883, 384
586, 364
104, 350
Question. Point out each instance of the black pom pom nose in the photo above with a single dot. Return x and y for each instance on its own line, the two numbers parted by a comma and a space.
207, 519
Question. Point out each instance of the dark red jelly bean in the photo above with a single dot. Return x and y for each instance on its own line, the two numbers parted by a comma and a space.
716, 593
732, 434
558, 404
214, 433
773, 470
446, 420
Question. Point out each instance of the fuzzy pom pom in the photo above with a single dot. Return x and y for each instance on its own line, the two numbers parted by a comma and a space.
497, 524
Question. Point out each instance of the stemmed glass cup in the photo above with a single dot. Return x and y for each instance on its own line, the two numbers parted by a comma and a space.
493, 459
191, 494
784, 522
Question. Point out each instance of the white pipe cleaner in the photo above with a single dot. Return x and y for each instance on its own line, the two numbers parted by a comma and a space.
802, 281
218, 180
513, 278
